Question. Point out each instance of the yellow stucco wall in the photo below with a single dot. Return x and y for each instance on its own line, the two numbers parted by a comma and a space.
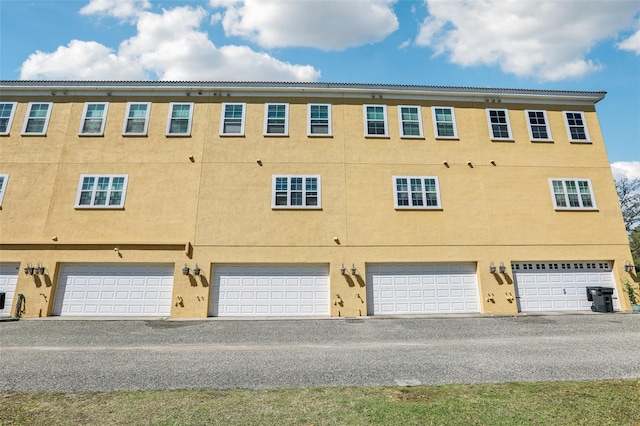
220, 203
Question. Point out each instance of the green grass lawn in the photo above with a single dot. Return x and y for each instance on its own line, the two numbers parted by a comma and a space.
614, 402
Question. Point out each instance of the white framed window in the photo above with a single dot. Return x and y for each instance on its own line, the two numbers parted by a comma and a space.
499, 125
319, 120
276, 119
179, 120
444, 122
410, 120
94, 117
101, 191
576, 126
375, 121
7, 111
4, 178
232, 119
37, 118
538, 125
136, 118
572, 194
296, 192
416, 192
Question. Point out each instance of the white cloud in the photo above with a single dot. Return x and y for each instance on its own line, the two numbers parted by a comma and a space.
545, 39
121, 9
631, 44
322, 24
167, 46
626, 169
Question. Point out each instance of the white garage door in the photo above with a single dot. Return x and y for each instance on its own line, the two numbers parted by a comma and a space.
114, 290
422, 288
8, 280
270, 290
560, 286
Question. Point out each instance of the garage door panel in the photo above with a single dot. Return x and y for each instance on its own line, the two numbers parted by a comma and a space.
421, 288
557, 286
114, 290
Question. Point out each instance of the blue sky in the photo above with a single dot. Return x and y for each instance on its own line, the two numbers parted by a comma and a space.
533, 44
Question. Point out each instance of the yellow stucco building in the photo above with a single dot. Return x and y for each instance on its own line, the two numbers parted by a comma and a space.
196, 199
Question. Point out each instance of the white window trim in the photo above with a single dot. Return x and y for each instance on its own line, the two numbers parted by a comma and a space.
329, 129
169, 116
386, 121
586, 129
410, 207
288, 206
84, 117
401, 122
13, 112
286, 119
46, 120
146, 119
5, 177
435, 122
102, 207
506, 111
549, 138
568, 207
222, 118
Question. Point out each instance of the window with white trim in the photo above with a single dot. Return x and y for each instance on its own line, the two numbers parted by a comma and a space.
101, 191
410, 120
37, 118
572, 194
499, 125
94, 116
7, 110
319, 120
375, 120
296, 192
179, 120
538, 125
444, 122
416, 192
4, 178
232, 119
276, 119
136, 118
576, 126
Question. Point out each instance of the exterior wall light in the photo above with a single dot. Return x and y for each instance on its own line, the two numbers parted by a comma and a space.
343, 270
628, 266
29, 269
39, 269
185, 270
502, 268
353, 269
492, 268
196, 270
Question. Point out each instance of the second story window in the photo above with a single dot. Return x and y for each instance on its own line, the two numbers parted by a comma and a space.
136, 118
101, 191
232, 119
410, 121
3, 185
179, 120
37, 118
276, 119
538, 125
296, 192
7, 110
319, 120
444, 122
416, 192
93, 118
375, 120
576, 126
572, 194
499, 125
